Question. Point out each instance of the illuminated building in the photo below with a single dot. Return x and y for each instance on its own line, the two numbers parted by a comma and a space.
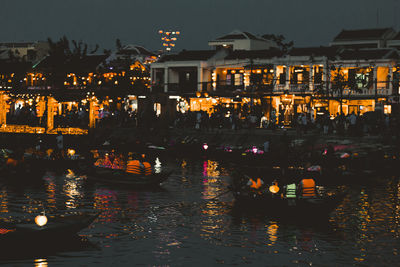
244, 69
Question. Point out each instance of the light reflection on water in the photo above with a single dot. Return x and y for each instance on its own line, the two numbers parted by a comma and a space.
189, 218
40, 263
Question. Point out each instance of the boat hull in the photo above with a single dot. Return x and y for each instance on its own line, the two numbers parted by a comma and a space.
55, 229
296, 208
121, 178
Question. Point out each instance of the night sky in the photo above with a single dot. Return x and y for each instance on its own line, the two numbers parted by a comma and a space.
306, 22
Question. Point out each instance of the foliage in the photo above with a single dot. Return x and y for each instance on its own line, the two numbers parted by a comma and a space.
280, 42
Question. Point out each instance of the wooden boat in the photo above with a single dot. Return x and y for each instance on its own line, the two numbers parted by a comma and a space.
29, 172
56, 228
117, 177
276, 205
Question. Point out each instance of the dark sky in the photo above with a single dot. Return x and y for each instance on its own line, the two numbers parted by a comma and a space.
306, 22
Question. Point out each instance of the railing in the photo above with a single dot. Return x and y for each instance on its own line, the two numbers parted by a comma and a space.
263, 88
280, 87
182, 88
227, 86
41, 130
299, 88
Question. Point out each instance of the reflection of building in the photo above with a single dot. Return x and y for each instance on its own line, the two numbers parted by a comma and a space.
359, 70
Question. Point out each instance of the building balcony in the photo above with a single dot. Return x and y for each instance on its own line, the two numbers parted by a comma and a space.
299, 88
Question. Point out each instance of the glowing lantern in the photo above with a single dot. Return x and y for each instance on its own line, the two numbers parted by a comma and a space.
274, 188
41, 220
205, 146
315, 168
198, 94
71, 152
345, 156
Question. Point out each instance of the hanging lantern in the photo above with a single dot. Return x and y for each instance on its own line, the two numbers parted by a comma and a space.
41, 220
198, 94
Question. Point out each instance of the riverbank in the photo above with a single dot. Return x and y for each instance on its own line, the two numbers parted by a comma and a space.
133, 138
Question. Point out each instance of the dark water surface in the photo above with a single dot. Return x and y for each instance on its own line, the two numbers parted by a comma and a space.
174, 225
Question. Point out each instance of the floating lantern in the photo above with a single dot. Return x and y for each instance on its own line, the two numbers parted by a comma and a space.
345, 156
205, 146
274, 188
314, 168
41, 220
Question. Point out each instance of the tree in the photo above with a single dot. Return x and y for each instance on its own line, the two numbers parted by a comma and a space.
63, 59
280, 42
339, 83
118, 44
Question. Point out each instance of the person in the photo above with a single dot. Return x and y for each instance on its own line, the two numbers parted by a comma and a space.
290, 191
104, 162
60, 141
255, 184
290, 194
12, 161
118, 163
307, 188
134, 166
266, 146
147, 170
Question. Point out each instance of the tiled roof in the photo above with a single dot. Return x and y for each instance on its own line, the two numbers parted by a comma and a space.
362, 34
86, 63
238, 35
135, 50
9, 67
189, 55
368, 54
262, 54
396, 37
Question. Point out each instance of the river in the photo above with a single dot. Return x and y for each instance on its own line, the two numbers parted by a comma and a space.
176, 225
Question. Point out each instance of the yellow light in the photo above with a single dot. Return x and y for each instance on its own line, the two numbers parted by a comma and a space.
71, 152
41, 220
274, 189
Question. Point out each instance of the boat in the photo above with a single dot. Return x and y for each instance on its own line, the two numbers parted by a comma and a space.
276, 205
119, 177
53, 228
29, 172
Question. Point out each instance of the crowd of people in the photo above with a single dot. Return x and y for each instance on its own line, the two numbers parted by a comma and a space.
135, 164
305, 188
370, 123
